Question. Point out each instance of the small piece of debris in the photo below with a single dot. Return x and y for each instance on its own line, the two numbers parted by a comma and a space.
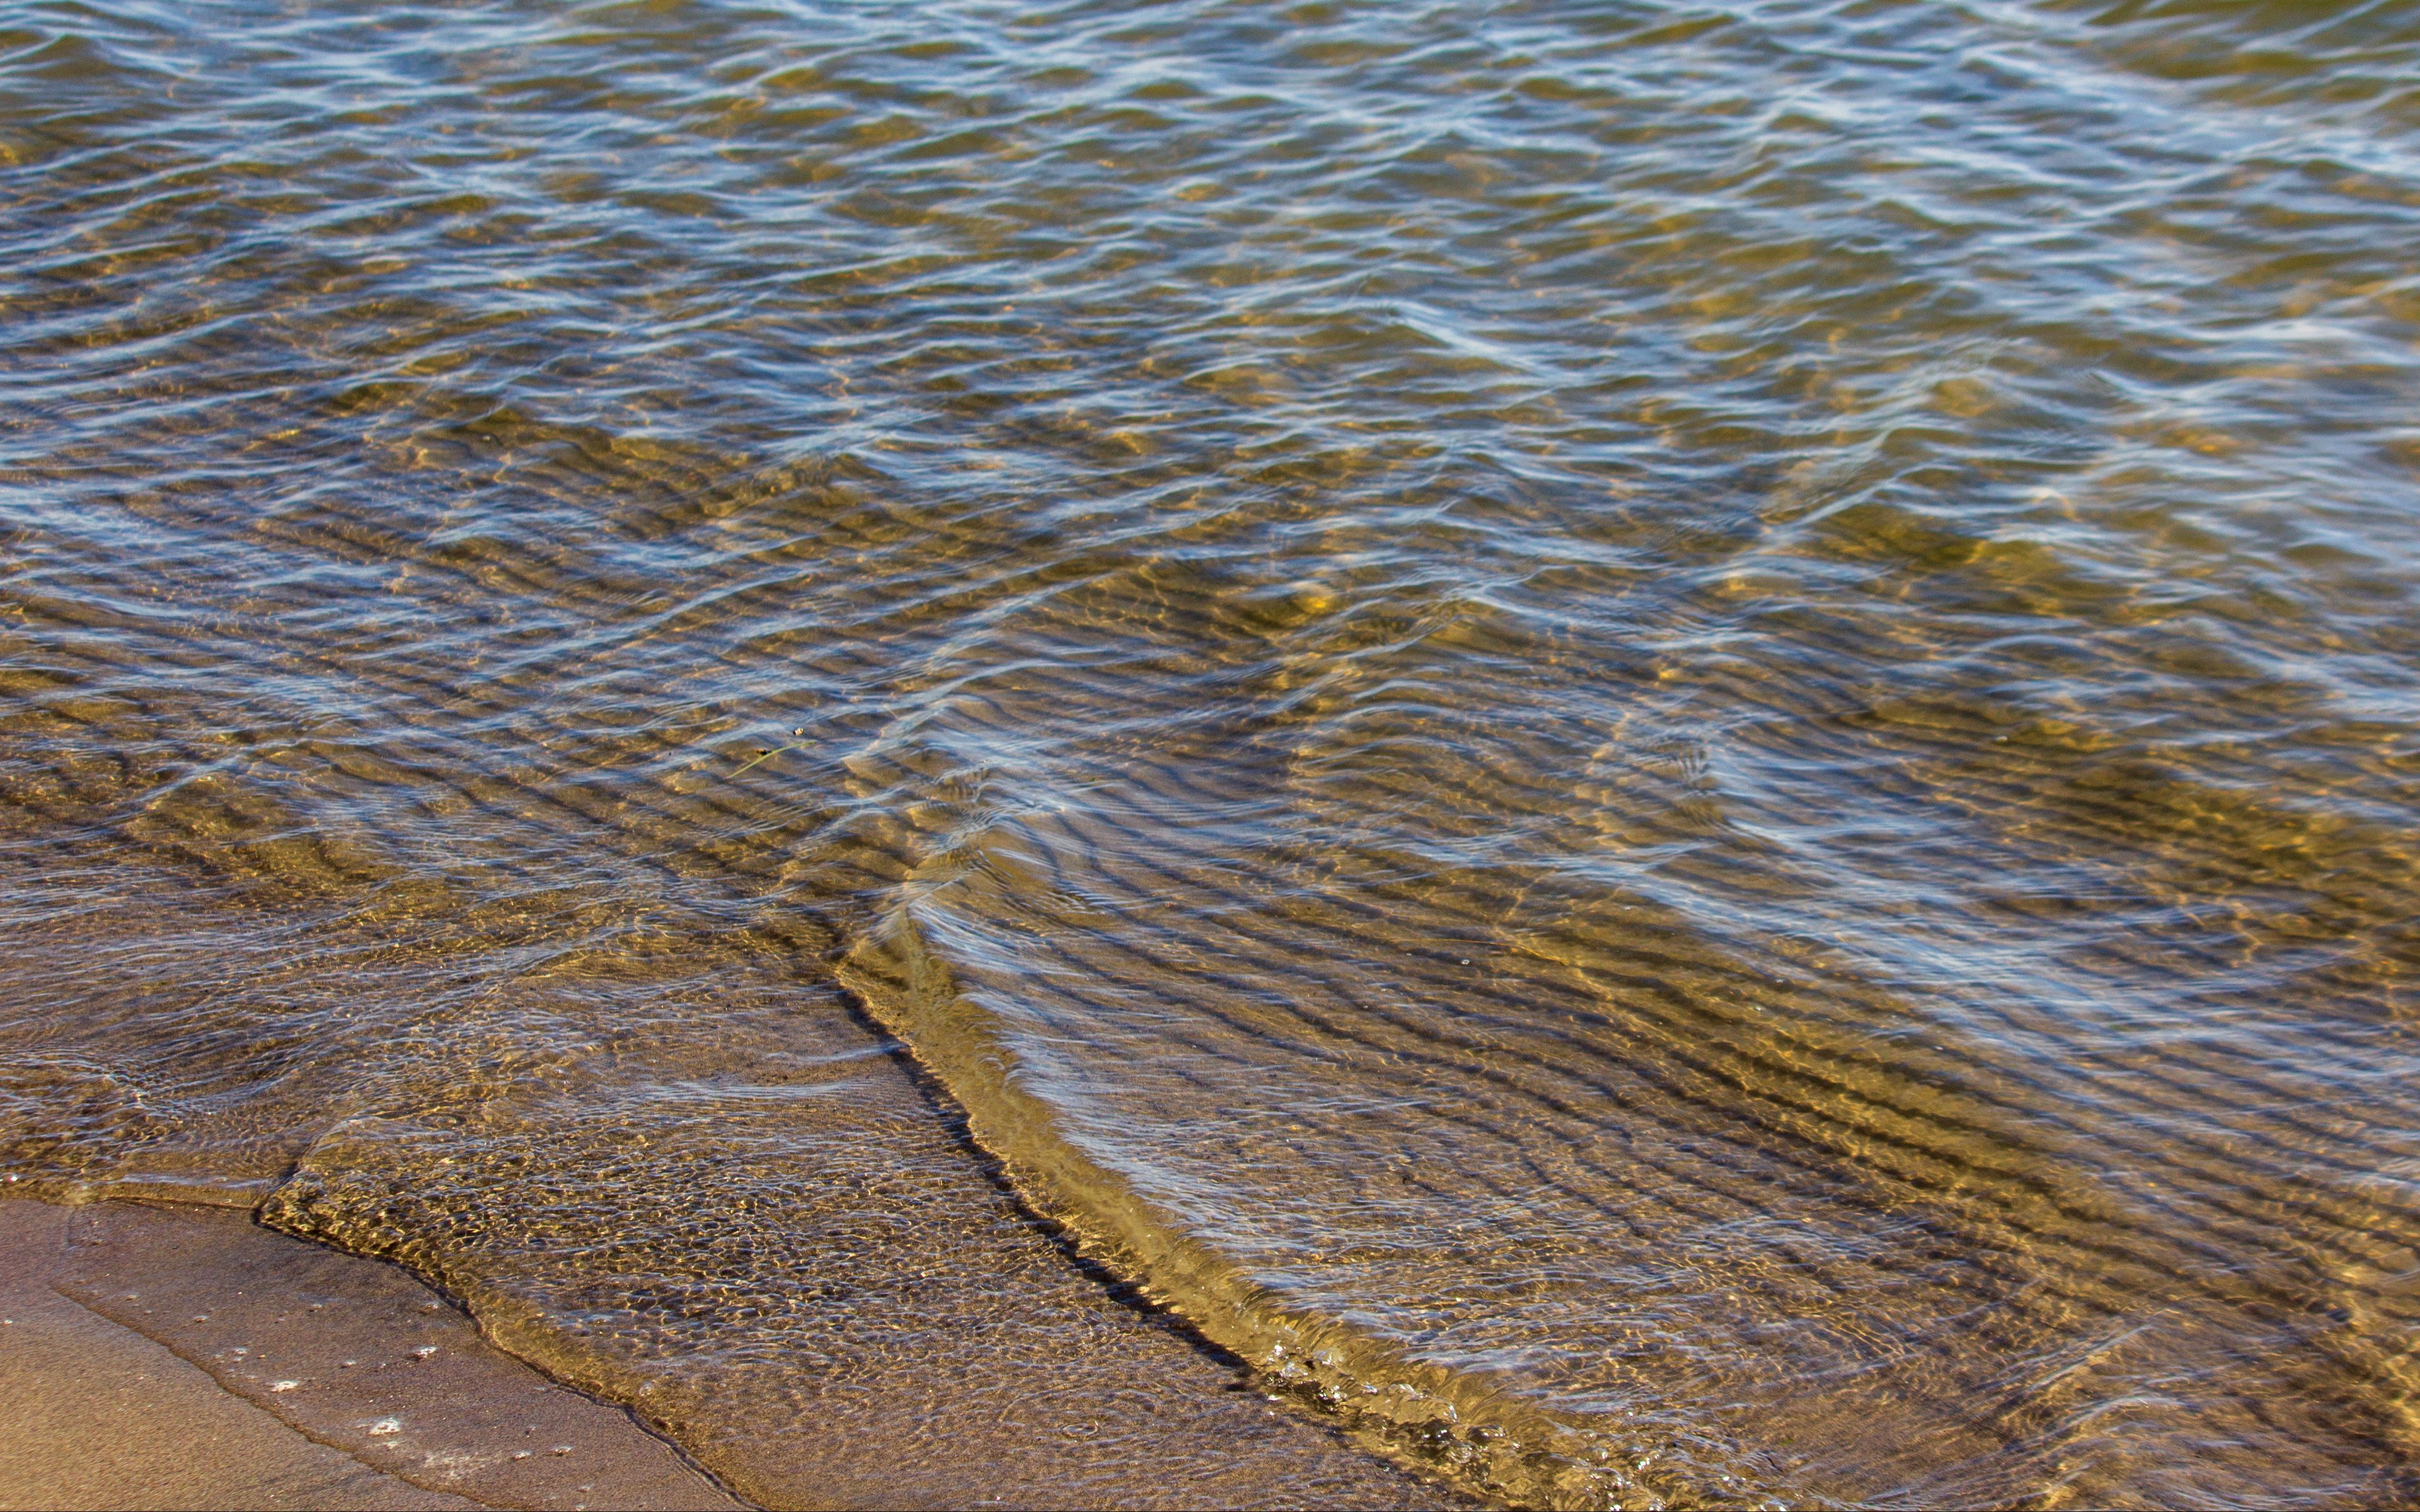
385, 1426
424, 1352
284, 1385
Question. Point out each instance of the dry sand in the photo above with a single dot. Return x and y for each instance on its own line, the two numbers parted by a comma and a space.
184, 1357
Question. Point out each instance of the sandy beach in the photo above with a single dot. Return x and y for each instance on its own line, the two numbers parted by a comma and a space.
184, 1357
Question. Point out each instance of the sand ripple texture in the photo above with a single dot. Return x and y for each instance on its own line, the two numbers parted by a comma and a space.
1670, 748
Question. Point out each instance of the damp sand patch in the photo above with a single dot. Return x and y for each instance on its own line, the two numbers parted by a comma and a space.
186, 1357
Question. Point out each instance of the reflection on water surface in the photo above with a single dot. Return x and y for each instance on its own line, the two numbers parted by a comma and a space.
1671, 748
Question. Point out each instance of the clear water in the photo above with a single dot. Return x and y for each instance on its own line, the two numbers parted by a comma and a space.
1670, 749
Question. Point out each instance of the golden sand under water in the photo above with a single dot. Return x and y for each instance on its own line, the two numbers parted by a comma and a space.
1656, 754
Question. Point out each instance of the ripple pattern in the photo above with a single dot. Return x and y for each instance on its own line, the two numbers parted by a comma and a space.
1673, 751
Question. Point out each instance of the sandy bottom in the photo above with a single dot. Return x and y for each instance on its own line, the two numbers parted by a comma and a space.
186, 1358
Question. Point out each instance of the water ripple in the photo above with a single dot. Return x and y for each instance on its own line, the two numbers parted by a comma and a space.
1669, 748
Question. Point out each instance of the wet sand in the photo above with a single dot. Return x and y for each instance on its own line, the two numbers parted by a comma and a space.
187, 1358
180, 1355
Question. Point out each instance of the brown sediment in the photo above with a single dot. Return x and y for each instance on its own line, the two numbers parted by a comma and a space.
187, 1358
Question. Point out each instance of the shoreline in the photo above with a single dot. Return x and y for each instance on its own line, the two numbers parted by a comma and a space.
180, 1355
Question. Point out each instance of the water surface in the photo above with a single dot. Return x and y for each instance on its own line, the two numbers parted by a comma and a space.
1670, 749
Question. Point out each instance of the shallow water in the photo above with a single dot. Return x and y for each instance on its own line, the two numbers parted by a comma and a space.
1670, 749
